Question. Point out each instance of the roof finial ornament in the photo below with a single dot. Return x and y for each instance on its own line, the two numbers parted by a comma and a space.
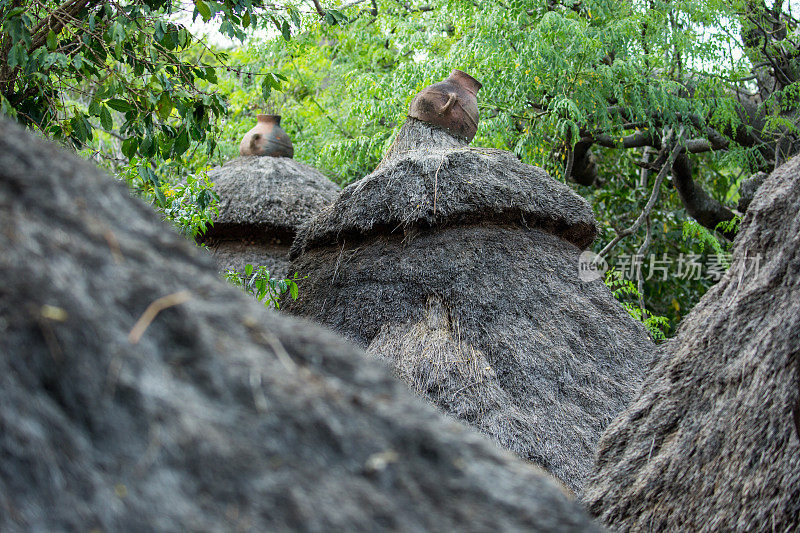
451, 104
267, 138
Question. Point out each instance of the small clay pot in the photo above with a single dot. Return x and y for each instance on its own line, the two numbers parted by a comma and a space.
451, 104
267, 138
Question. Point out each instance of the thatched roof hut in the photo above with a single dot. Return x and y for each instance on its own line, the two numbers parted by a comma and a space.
139, 392
711, 443
459, 267
263, 201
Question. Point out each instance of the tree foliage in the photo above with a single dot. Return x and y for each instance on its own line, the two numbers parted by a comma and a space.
654, 111
258, 283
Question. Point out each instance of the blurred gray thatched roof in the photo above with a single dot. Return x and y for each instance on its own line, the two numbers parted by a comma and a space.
439, 187
460, 268
710, 444
139, 392
275, 193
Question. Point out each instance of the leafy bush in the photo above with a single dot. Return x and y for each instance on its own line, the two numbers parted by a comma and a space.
186, 199
629, 296
264, 288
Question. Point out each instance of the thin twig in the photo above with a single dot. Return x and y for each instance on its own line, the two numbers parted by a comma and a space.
650, 202
153, 310
648, 238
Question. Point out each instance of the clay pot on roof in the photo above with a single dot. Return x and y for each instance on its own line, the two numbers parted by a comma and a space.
267, 138
263, 201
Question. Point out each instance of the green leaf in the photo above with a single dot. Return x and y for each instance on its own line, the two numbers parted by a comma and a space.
273, 81
184, 38
248, 269
338, 16
246, 20
14, 12
105, 119
203, 9
294, 290
169, 40
147, 175
18, 55
287, 34
52, 41
181, 144
105, 91
159, 30
160, 195
266, 87
129, 147
147, 146
211, 74
295, 14
94, 107
81, 130
119, 105
144, 173
164, 106
35, 61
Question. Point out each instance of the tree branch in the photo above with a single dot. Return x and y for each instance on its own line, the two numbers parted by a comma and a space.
650, 202
584, 169
715, 141
56, 21
570, 162
319, 8
698, 203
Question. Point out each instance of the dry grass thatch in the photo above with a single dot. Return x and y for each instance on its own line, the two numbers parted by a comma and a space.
711, 444
416, 135
216, 415
263, 200
455, 267
439, 187
265, 250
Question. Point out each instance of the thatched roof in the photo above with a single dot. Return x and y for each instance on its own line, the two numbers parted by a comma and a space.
459, 267
211, 414
710, 444
441, 187
257, 250
416, 135
267, 193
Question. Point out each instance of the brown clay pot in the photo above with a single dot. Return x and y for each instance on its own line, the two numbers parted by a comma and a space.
451, 104
267, 138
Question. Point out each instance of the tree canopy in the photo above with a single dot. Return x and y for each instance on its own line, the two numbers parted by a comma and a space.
655, 111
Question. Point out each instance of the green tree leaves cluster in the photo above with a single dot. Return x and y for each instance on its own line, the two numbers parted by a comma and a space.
76, 68
258, 282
